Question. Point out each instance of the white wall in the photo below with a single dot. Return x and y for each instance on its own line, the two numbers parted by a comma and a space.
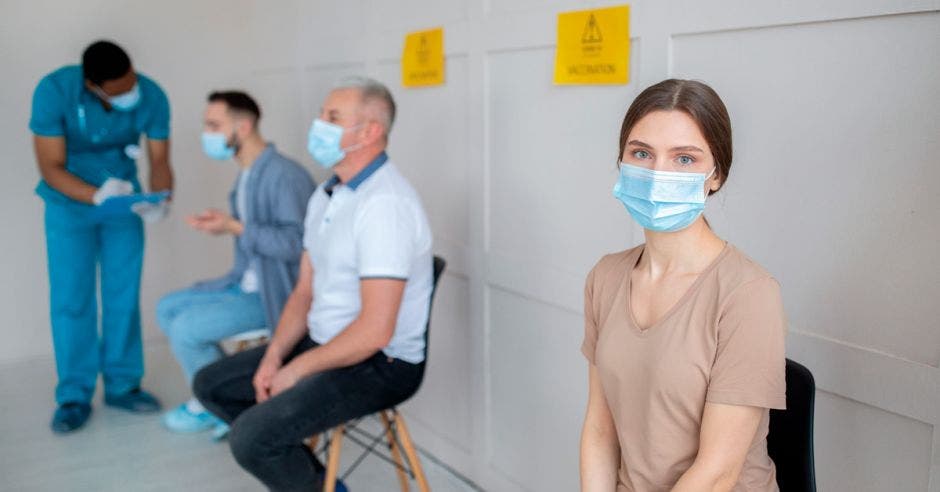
836, 111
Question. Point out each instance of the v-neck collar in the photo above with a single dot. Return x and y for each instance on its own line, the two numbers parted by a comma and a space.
678, 304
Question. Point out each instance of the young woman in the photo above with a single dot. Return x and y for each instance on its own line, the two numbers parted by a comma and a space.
684, 334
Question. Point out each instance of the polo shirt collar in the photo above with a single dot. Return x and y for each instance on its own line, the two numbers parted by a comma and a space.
358, 178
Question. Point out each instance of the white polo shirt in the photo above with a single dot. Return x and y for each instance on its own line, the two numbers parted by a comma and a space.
371, 227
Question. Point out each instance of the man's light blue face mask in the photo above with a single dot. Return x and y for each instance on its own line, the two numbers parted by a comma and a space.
323, 143
123, 102
661, 201
216, 146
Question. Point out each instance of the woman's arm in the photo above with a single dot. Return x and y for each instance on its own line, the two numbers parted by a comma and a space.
600, 449
726, 435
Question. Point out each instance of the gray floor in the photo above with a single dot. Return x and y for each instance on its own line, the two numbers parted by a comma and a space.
117, 451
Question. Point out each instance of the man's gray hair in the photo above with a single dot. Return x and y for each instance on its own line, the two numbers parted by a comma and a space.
376, 98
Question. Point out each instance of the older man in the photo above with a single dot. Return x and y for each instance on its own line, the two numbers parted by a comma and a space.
350, 340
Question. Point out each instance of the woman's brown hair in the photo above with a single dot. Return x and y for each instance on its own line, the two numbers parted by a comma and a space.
696, 99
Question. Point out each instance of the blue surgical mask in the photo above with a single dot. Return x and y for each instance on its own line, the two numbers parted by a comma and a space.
661, 201
216, 146
323, 143
127, 101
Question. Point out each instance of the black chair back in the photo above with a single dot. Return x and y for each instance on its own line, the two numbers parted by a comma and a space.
790, 438
439, 265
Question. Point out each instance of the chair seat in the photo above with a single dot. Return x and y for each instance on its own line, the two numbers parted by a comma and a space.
250, 335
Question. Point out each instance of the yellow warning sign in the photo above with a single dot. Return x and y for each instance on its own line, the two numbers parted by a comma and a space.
422, 62
593, 46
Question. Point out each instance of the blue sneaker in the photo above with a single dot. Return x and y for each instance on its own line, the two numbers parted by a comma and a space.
135, 400
69, 417
184, 420
220, 432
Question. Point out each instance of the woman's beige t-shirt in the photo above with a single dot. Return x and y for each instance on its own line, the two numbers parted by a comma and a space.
723, 342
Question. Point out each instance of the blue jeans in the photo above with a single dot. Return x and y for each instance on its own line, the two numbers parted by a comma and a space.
81, 248
196, 321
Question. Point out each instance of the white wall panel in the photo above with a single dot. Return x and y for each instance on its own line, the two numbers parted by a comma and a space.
443, 404
283, 122
840, 153
538, 384
552, 164
422, 14
860, 448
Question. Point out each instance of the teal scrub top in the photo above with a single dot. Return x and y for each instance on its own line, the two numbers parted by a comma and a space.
99, 143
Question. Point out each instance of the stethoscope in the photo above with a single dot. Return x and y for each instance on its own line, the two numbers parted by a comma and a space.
132, 151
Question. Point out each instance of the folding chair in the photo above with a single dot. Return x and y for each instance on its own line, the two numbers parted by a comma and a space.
395, 433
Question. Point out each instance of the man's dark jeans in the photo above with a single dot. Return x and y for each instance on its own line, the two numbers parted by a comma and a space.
267, 438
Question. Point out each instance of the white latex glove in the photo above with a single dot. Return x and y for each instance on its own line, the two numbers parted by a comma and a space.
151, 212
112, 187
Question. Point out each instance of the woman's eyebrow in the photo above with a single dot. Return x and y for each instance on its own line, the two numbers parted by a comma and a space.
687, 148
640, 144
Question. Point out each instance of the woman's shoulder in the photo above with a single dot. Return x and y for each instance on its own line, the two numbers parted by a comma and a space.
615, 264
737, 269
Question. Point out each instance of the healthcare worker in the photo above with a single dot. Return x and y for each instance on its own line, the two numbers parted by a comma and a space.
87, 121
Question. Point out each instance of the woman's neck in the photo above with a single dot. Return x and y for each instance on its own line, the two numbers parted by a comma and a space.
688, 251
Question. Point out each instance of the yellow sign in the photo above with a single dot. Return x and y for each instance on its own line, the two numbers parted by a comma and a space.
593, 46
422, 63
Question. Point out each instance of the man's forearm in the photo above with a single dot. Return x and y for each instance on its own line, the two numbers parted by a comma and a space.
351, 346
70, 185
161, 176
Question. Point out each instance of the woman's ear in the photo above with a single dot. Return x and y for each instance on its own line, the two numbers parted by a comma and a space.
714, 183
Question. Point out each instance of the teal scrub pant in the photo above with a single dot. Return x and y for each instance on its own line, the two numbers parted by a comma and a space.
82, 249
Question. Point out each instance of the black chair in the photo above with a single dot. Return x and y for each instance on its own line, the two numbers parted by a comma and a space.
790, 438
394, 431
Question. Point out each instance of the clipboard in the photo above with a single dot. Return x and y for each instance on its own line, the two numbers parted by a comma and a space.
120, 206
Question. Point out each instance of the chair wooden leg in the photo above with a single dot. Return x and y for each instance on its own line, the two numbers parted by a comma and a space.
396, 455
410, 451
332, 465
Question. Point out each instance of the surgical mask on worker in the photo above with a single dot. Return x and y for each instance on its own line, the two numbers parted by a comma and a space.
216, 146
127, 101
662, 201
323, 143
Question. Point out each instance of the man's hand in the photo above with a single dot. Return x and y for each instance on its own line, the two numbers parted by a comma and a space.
285, 379
269, 367
216, 222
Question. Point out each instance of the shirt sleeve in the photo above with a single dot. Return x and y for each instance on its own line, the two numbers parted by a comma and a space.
589, 345
750, 363
386, 238
158, 128
48, 111
308, 222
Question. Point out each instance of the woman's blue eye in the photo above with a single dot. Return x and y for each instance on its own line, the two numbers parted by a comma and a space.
641, 154
685, 160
